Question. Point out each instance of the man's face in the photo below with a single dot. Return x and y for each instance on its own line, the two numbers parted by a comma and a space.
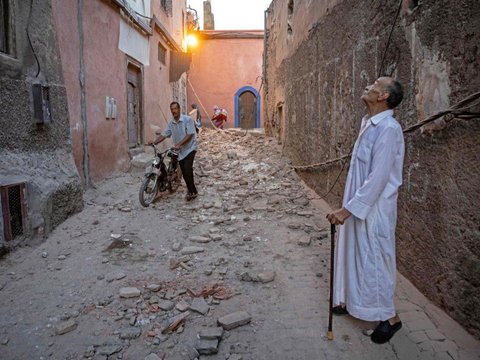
376, 92
175, 109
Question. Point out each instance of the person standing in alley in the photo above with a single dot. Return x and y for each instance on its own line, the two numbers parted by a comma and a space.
219, 117
365, 264
182, 130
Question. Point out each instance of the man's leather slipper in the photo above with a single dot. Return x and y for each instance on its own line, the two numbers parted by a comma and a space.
384, 331
339, 310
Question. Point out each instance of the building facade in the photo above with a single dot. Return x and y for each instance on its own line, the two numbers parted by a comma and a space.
226, 71
124, 62
39, 183
320, 55
84, 85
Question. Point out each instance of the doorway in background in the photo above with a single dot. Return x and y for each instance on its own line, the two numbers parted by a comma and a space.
247, 108
134, 106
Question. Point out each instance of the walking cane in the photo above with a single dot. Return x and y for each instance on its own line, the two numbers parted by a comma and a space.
330, 307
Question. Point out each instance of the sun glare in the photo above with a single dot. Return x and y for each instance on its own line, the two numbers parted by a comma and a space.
192, 40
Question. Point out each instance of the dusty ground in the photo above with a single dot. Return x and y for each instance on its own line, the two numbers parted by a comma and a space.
265, 251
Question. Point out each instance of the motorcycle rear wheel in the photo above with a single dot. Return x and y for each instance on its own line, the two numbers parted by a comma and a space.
148, 190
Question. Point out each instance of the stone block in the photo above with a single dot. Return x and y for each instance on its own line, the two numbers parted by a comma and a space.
108, 350
166, 305
233, 320
192, 250
211, 333
129, 292
207, 347
304, 240
200, 239
130, 333
182, 306
199, 305
266, 277
65, 327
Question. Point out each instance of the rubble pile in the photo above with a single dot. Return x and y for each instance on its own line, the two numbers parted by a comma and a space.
185, 289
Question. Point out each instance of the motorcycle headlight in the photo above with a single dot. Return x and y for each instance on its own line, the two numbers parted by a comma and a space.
156, 161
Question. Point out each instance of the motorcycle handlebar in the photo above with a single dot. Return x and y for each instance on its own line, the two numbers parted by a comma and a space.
172, 149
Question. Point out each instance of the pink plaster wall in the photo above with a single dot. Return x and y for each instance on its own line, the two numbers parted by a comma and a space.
106, 75
220, 67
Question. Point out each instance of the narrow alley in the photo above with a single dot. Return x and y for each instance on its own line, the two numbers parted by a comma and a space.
119, 281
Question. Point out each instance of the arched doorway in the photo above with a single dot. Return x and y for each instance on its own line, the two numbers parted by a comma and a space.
247, 108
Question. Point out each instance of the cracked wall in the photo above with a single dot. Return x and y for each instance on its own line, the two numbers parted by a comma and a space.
314, 78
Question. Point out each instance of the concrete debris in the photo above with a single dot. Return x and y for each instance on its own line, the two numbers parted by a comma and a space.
211, 333
192, 353
216, 237
166, 305
116, 275
130, 333
234, 320
65, 327
174, 322
207, 347
192, 250
264, 277
199, 305
129, 292
108, 350
154, 287
182, 306
200, 239
304, 240
152, 356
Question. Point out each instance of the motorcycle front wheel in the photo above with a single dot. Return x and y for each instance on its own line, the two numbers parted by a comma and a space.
148, 190
173, 180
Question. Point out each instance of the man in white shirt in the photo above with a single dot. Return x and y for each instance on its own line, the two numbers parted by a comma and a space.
365, 266
182, 130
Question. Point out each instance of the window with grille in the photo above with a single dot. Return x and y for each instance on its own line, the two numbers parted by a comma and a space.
290, 18
162, 54
175, 91
13, 210
167, 6
5, 27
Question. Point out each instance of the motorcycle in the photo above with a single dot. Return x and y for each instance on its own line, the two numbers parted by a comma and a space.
161, 175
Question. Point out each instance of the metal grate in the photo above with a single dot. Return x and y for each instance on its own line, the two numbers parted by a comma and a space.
15, 207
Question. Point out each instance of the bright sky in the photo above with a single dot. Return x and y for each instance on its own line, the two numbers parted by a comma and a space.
234, 14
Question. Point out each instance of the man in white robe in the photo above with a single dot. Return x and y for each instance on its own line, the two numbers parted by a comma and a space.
364, 274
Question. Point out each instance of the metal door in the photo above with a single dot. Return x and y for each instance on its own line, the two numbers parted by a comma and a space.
247, 110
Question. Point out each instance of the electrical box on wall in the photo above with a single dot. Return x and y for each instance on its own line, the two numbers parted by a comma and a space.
41, 104
110, 107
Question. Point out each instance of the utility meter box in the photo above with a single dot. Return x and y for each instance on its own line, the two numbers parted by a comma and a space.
41, 104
